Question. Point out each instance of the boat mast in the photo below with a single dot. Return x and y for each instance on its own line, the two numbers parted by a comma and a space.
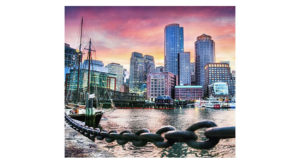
89, 114
79, 61
89, 68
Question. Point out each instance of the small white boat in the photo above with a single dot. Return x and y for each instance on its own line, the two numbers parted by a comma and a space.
214, 103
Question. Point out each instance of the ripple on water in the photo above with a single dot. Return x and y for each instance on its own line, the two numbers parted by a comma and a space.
133, 119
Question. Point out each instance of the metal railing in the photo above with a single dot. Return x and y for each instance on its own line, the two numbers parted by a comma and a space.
171, 135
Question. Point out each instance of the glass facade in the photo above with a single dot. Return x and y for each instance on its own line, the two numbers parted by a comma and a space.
96, 65
219, 72
71, 58
137, 80
193, 78
173, 46
219, 89
205, 53
118, 70
149, 65
140, 67
97, 79
184, 68
100, 83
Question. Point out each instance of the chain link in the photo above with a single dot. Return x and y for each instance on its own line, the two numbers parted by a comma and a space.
140, 138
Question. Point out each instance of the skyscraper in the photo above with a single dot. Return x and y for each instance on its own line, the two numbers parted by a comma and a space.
118, 70
136, 78
149, 65
173, 46
193, 78
205, 53
184, 69
140, 67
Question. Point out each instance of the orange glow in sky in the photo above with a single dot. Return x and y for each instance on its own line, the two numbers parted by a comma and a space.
118, 31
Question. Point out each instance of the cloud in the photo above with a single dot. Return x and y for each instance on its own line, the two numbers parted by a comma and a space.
118, 31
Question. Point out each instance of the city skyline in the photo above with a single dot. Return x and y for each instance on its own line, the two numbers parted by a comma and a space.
116, 32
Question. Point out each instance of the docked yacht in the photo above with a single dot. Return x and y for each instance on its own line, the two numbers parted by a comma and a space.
213, 103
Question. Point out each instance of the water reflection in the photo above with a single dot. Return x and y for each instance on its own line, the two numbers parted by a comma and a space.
136, 119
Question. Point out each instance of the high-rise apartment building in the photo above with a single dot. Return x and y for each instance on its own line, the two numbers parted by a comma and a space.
205, 53
173, 46
184, 69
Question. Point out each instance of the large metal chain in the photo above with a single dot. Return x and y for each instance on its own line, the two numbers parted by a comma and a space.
171, 135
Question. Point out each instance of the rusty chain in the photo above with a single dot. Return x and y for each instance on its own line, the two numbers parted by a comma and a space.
140, 138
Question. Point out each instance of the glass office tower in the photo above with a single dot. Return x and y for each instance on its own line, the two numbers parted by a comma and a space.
205, 53
137, 73
118, 70
184, 68
149, 65
173, 46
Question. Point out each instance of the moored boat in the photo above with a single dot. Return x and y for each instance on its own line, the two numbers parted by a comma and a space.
212, 102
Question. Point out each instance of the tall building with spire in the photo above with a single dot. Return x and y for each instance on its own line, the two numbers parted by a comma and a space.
205, 53
173, 46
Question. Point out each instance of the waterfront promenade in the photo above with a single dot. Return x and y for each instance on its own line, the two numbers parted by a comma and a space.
77, 145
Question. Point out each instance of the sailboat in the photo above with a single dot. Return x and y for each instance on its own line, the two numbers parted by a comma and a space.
88, 113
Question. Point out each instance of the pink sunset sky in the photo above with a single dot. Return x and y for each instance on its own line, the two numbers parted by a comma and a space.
116, 32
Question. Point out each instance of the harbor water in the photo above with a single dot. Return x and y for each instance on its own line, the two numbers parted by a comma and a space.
153, 119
